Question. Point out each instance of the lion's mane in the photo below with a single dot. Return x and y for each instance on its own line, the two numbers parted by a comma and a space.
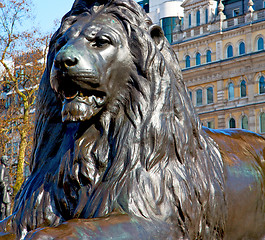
145, 154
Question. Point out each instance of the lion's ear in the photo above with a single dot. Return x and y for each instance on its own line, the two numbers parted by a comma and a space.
157, 34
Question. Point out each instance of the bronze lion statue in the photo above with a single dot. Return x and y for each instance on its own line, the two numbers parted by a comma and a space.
119, 151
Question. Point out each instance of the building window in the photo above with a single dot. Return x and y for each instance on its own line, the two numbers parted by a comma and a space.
260, 44
210, 124
242, 48
243, 89
231, 91
8, 102
187, 60
263, 4
199, 97
244, 122
208, 56
198, 59
262, 122
198, 18
189, 20
206, 15
261, 85
236, 12
232, 123
6, 87
17, 73
145, 5
209, 95
229, 51
190, 93
168, 24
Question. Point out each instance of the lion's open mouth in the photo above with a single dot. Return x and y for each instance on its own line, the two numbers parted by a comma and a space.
81, 105
95, 97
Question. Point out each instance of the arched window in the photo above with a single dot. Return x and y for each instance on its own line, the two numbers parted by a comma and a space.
262, 122
206, 15
231, 91
244, 122
189, 20
198, 58
199, 97
198, 18
243, 88
208, 56
209, 95
261, 85
187, 60
242, 48
229, 51
232, 123
260, 43
190, 93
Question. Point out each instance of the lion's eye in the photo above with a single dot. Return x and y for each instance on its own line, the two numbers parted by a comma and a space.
101, 41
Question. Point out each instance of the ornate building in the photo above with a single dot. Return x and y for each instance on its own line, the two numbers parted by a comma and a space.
220, 47
167, 13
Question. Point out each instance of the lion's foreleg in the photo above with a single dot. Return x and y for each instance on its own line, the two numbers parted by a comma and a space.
113, 226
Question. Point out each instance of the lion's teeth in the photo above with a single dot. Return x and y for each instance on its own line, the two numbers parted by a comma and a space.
90, 99
99, 100
94, 99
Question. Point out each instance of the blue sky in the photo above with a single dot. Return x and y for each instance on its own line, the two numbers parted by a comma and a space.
47, 11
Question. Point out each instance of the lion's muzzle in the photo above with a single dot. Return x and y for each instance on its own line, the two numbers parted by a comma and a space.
76, 80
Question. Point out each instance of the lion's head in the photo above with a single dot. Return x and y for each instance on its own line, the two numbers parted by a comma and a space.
91, 66
116, 129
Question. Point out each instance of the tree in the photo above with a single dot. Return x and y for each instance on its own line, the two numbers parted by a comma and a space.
22, 57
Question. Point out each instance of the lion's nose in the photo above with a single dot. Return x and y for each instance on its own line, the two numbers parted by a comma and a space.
70, 61
67, 58
65, 62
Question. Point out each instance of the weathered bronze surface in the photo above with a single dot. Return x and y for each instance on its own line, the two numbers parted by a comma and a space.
119, 151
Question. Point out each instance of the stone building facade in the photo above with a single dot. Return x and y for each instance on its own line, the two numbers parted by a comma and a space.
166, 13
223, 61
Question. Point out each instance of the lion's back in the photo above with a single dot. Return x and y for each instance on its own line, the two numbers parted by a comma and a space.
239, 145
243, 155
